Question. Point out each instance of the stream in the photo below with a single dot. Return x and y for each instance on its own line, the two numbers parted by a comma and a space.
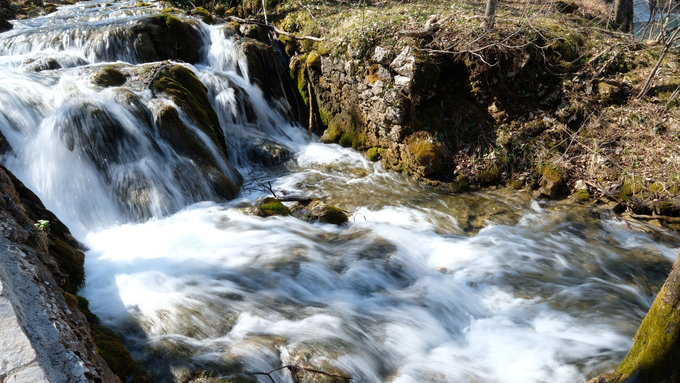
419, 286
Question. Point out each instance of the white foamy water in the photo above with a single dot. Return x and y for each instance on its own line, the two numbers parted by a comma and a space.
418, 287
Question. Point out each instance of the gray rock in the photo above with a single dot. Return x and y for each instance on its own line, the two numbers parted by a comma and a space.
404, 63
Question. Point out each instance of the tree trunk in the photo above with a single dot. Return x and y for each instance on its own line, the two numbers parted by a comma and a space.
655, 355
623, 15
490, 14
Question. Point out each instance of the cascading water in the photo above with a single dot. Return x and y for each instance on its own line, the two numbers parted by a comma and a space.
418, 287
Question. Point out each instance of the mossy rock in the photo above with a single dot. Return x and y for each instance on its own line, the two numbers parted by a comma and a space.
109, 76
313, 60
656, 347
609, 93
187, 91
272, 207
166, 37
553, 181
374, 154
109, 345
631, 187
333, 215
343, 131
203, 14
581, 196
425, 155
490, 175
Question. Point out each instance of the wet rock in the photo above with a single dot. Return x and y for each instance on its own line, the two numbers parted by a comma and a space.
186, 90
319, 211
165, 37
267, 153
203, 14
41, 63
271, 207
109, 76
5, 147
317, 357
268, 70
38, 272
425, 155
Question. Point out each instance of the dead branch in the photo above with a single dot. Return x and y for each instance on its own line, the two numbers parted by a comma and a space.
274, 28
293, 368
268, 187
430, 28
669, 44
663, 218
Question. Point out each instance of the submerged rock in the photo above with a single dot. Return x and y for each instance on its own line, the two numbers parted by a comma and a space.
267, 153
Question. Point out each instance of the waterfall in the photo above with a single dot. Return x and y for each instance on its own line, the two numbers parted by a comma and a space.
151, 150
98, 156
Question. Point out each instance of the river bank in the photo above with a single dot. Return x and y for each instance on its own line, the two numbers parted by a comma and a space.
547, 102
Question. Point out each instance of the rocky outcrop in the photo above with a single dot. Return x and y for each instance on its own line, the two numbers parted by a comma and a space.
166, 37
40, 267
656, 347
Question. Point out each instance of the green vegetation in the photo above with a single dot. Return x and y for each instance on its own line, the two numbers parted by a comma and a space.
42, 225
272, 207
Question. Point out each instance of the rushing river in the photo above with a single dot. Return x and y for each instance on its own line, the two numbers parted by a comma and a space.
418, 287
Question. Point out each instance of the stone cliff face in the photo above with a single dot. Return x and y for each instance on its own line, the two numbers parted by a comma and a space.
39, 269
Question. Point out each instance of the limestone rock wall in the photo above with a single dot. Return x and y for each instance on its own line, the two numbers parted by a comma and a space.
47, 340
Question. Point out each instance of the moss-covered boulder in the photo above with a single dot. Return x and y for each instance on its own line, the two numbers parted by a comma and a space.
609, 93
425, 155
203, 14
271, 207
374, 154
109, 76
553, 181
656, 347
166, 37
181, 85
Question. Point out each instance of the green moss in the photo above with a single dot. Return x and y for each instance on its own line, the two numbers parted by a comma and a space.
271, 207
427, 155
657, 187
347, 140
109, 345
334, 215
302, 83
374, 154
187, 91
142, 4
655, 351
170, 10
69, 261
109, 76
203, 14
582, 195
490, 175
631, 186
460, 184
553, 180
313, 60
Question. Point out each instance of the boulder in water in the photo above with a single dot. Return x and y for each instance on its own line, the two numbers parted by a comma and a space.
267, 152
271, 207
186, 90
109, 76
319, 211
166, 37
